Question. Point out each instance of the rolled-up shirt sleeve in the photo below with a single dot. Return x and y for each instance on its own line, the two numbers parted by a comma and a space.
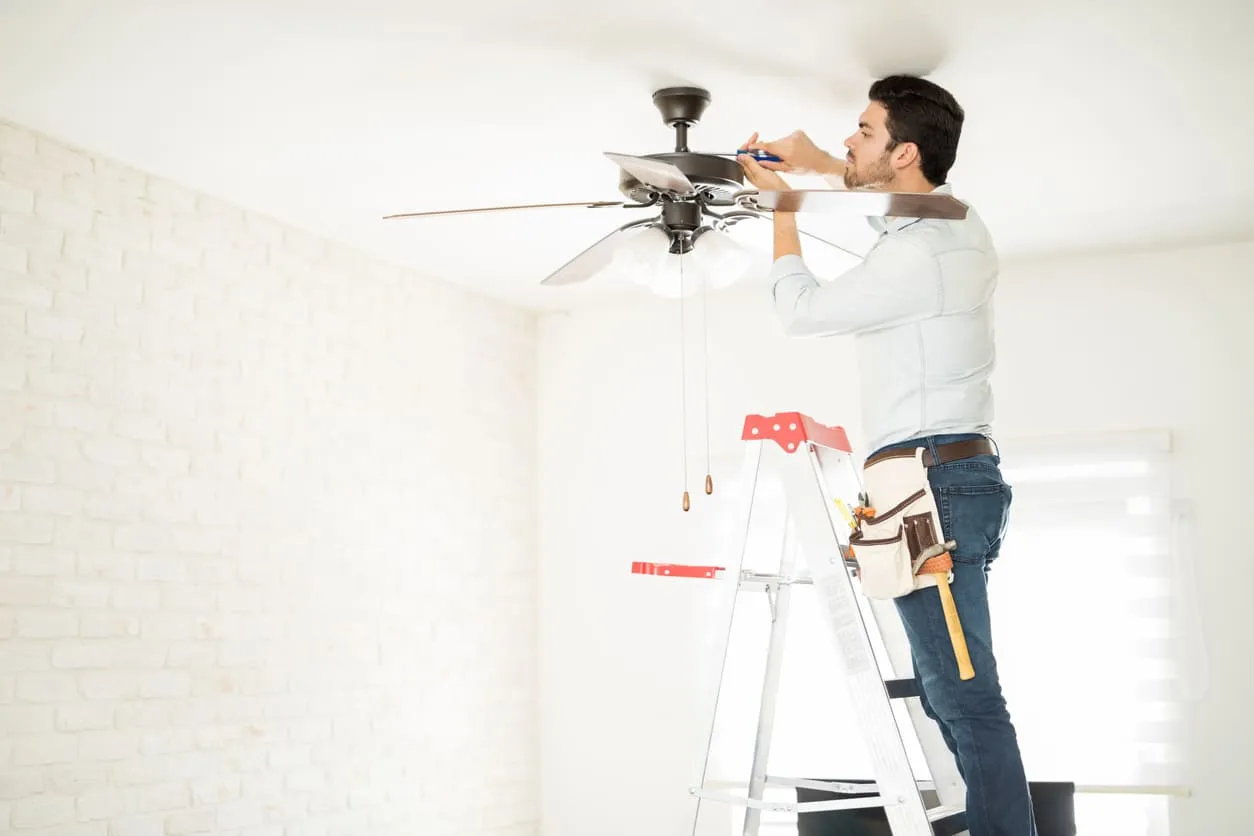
897, 282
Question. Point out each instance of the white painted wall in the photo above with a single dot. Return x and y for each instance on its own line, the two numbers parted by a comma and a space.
1156, 340
267, 549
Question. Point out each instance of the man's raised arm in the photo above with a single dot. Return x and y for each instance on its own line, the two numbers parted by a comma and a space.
899, 281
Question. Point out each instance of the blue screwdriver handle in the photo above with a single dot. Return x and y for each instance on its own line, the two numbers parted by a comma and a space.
760, 156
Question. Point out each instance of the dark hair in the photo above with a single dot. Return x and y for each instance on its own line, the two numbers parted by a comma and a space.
924, 113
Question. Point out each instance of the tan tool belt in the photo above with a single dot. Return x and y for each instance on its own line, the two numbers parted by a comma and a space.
898, 527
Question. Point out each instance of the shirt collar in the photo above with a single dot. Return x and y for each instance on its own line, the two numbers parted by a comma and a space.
890, 224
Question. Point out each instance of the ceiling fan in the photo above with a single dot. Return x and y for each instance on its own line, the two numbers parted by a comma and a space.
697, 197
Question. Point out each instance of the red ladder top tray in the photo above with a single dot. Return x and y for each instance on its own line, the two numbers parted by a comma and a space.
792, 429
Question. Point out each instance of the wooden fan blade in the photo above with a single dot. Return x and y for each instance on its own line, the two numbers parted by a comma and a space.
594, 204
870, 204
660, 175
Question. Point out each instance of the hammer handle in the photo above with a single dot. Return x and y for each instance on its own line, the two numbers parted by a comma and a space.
959, 641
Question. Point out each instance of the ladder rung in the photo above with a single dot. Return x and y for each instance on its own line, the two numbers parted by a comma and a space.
751, 578
849, 786
789, 806
899, 689
846, 787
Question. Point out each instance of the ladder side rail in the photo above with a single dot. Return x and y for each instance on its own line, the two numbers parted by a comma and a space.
734, 540
951, 790
818, 534
842, 481
780, 610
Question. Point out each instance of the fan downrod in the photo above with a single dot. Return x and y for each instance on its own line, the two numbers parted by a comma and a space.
681, 108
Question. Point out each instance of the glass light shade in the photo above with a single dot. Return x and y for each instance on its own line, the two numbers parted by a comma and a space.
715, 262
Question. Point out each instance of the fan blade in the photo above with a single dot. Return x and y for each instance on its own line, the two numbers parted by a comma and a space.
593, 204
870, 204
595, 258
655, 173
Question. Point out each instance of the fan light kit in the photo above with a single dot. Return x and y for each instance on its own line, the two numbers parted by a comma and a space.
698, 197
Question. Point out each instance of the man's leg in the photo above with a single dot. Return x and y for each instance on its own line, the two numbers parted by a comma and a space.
931, 712
973, 502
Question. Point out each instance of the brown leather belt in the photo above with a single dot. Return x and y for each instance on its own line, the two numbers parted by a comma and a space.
944, 453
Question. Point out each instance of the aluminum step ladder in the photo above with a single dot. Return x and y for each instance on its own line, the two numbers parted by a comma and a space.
821, 486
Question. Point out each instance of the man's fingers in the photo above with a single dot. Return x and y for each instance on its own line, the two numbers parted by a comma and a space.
778, 148
758, 176
751, 167
774, 166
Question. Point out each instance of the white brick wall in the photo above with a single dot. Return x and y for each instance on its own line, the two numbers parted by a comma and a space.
267, 559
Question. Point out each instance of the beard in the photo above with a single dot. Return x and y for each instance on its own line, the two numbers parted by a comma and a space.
877, 175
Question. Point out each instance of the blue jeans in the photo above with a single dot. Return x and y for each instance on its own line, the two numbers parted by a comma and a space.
974, 504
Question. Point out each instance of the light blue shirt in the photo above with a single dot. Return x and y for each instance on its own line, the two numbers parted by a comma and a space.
919, 307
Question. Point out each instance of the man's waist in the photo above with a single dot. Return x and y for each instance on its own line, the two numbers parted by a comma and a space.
893, 412
934, 452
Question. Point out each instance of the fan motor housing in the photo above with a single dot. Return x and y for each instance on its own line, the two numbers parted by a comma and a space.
719, 175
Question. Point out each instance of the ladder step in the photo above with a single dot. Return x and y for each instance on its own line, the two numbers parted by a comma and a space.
947, 821
860, 802
900, 689
817, 796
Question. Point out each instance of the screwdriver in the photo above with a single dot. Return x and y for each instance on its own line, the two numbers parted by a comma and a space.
760, 156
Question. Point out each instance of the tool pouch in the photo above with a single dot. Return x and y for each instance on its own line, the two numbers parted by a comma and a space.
889, 546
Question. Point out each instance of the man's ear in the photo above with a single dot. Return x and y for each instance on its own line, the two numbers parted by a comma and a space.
905, 155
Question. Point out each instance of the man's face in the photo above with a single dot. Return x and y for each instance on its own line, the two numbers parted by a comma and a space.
867, 164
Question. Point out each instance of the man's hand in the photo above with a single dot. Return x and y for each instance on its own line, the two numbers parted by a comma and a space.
799, 155
787, 239
762, 179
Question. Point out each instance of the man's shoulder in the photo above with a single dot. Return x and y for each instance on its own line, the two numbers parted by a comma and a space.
941, 235
959, 253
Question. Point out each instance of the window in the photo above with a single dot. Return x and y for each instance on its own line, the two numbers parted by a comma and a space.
1093, 613
1098, 638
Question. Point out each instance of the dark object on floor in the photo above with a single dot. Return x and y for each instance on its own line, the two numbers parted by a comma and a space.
1054, 803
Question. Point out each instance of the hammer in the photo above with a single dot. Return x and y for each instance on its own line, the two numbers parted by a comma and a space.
936, 560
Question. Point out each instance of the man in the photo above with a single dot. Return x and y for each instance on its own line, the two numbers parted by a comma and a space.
919, 307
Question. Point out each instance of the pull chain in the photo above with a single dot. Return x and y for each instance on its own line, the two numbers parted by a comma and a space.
683, 380
705, 362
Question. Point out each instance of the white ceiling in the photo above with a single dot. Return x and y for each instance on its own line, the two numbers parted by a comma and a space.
1090, 123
